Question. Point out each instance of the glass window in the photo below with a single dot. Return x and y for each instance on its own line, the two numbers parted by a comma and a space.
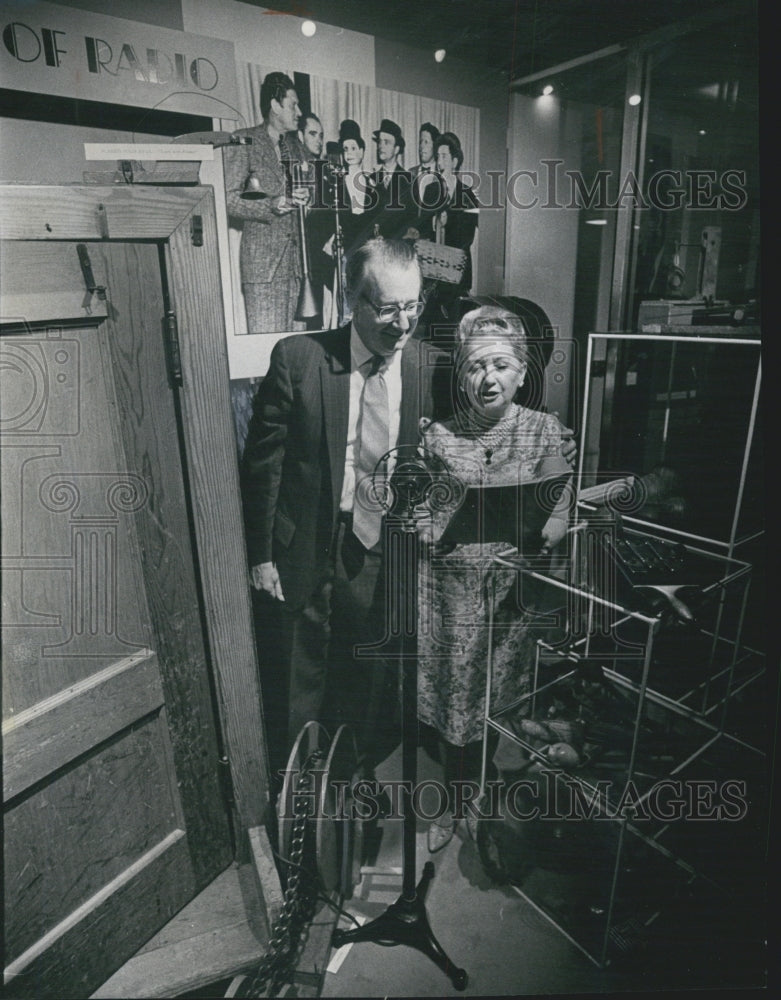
697, 242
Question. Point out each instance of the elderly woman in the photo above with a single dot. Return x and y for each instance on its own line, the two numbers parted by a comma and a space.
491, 440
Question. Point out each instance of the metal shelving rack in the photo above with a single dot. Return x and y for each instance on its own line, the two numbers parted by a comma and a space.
641, 690
686, 397
644, 736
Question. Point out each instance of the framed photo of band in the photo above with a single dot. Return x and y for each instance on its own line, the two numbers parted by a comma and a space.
319, 167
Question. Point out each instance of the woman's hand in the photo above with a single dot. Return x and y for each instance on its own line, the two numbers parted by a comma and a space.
569, 450
552, 533
264, 576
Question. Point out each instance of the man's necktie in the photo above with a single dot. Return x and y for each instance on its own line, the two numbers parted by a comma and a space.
372, 443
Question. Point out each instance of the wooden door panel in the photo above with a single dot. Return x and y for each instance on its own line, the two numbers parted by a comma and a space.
124, 790
58, 290
75, 600
113, 814
148, 428
62, 728
81, 951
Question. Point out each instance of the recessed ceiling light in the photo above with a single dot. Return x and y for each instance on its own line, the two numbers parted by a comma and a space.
308, 28
596, 222
703, 132
634, 99
547, 90
440, 54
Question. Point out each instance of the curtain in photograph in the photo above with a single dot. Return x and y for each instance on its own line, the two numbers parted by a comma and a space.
333, 101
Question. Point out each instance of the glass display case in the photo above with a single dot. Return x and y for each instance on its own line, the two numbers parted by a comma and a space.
675, 416
598, 758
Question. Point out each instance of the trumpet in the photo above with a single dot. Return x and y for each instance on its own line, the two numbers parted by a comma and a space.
307, 304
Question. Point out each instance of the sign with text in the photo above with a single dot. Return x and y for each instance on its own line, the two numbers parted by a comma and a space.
48, 49
147, 151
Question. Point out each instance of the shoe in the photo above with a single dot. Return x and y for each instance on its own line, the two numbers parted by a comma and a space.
440, 834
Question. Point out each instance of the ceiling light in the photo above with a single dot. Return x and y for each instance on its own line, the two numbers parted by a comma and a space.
308, 28
596, 222
547, 90
439, 55
702, 132
634, 100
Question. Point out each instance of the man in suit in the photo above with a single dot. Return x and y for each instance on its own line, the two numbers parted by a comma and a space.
310, 133
390, 204
270, 252
428, 191
427, 151
316, 570
319, 214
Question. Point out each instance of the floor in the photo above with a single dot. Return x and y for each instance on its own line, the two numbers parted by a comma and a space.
701, 939
506, 947
509, 948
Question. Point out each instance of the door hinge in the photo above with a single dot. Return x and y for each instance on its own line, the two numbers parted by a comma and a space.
173, 357
89, 277
196, 230
226, 781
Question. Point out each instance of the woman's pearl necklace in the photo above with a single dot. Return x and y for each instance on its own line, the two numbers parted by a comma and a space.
490, 439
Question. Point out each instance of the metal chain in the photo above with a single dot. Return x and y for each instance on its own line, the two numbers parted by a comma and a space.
277, 964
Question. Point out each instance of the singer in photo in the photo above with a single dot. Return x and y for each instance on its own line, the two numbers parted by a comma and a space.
260, 193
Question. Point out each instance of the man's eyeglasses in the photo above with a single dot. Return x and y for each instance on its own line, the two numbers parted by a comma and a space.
390, 314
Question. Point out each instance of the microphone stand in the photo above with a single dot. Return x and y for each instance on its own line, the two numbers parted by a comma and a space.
336, 172
419, 479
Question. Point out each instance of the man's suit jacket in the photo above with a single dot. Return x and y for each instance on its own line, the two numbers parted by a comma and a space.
390, 208
293, 464
266, 237
462, 216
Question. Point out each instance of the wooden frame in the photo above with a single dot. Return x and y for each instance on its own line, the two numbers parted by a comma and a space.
173, 217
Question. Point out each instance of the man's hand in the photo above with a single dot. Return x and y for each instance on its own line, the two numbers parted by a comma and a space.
300, 196
264, 576
282, 205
